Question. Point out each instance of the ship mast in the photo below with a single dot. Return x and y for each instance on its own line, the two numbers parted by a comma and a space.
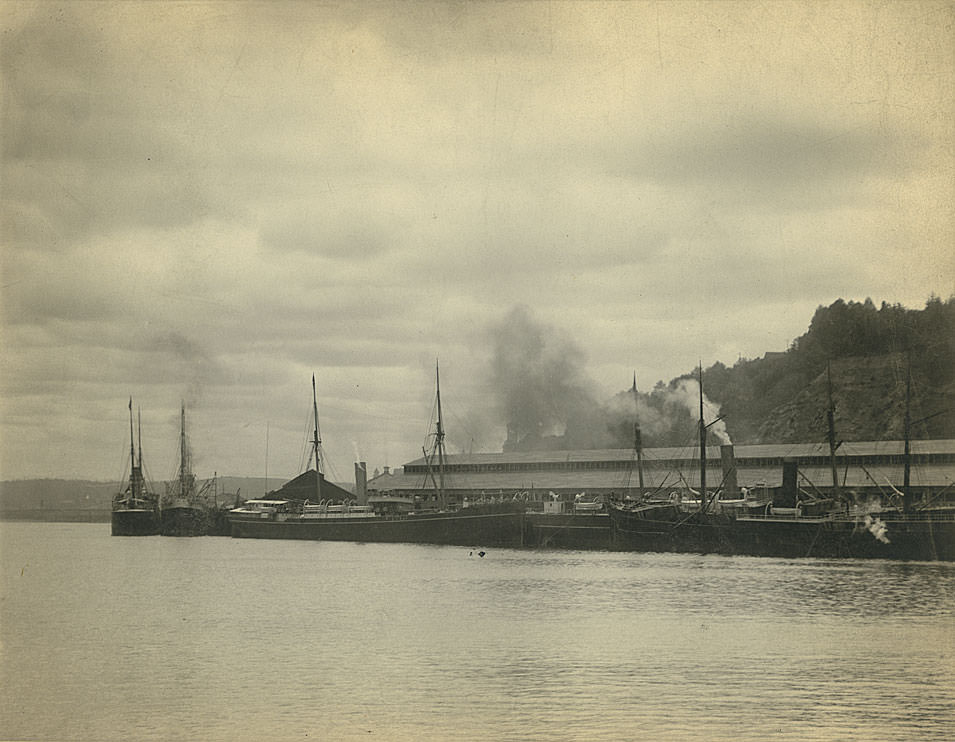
637, 436
703, 502
139, 427
830, 418
439, 438
139, 482
132, 446
183, 464
317, 442
132, 454
906, 433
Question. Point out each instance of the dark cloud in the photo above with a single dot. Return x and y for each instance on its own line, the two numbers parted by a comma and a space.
774, 158
356, 235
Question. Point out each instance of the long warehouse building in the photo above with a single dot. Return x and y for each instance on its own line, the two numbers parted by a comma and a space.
865, 468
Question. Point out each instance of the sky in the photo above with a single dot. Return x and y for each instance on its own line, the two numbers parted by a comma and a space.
205, 203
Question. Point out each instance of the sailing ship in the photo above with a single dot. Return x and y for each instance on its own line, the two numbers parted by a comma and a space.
135, 509
382, 519
185, 508
794, 524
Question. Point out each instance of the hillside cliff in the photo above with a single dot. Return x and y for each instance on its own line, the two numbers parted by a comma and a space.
869, 354
783, 396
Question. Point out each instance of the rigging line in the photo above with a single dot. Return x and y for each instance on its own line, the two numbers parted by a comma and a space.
461, 424
936, 496
306, 449
330, 468
811, 483
432, 424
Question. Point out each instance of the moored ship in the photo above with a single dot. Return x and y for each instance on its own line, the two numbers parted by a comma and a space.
898, 529
185, 510
135, 511
794, 524
488, 525
381, 519
581, 524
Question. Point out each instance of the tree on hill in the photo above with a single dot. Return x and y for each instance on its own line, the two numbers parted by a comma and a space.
779, 398
873, 348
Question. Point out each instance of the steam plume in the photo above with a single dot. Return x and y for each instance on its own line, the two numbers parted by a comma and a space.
687, 393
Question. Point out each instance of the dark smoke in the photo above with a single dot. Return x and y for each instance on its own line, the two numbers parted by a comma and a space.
544, 395
187, 363
547, 400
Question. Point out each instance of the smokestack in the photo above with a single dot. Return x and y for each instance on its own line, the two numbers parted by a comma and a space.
728, 459
785, 496
361, 482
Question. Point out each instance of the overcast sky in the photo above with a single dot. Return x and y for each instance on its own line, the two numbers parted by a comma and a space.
209, 202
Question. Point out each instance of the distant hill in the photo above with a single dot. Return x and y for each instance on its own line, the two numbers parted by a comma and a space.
81, 495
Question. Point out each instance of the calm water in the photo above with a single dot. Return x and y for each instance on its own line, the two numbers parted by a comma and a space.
213, 638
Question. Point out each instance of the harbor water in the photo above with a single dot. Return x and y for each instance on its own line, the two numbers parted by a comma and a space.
154, 638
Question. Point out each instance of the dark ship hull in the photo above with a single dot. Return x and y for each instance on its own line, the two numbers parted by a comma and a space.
219, 524
913, 537
460, 528
134, 522
568, 531
666, 528
184, 521
923, 536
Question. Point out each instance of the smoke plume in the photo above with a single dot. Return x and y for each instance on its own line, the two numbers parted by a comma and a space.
543, 394
687, 393
542, 389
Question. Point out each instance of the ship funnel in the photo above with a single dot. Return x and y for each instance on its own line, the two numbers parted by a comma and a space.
361, 482
730, 484
785, 496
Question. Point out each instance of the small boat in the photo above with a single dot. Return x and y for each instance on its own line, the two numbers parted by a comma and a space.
135, 509
584, 503
383, 519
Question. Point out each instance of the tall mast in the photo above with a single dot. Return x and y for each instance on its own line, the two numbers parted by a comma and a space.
830, 417
439, 437
139, 426
183, 464
702, 447
317, 442
132, 446
906, 433
137, 478
637, 436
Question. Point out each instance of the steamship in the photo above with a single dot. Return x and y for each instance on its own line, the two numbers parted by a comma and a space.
796, 522
185, 508
384, 518
135, 511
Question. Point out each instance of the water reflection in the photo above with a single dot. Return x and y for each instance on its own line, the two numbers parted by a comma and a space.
348, 641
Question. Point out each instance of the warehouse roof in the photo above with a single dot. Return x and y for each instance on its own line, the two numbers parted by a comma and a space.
869, 464
741, 452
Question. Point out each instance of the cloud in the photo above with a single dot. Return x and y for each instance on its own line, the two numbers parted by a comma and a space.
772, 161
210, 201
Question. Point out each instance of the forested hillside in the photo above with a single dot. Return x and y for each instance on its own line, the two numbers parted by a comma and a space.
782, 397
